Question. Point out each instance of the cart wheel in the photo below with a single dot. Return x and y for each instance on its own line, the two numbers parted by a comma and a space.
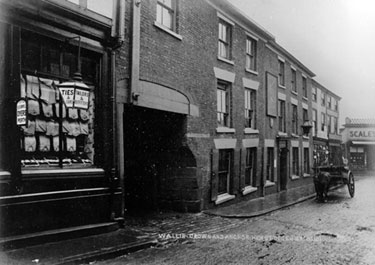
351, 185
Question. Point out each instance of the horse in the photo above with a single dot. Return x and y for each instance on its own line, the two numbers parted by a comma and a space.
321, 183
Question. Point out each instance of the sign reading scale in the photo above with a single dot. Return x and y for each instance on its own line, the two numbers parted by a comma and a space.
75, 94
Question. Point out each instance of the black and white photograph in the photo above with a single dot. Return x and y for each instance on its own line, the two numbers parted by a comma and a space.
187, 132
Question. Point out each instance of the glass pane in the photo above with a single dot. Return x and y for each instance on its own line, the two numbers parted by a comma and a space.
159, 14
167, 18
103, 7
219, 104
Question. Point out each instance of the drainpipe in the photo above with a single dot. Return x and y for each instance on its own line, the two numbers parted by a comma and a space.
135, 52
118, 33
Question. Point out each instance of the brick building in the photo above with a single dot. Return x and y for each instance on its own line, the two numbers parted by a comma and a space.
214, 109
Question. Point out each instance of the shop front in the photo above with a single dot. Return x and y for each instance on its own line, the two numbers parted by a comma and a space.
359, 140
57, 161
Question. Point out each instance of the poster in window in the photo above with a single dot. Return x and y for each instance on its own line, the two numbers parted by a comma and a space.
271, 99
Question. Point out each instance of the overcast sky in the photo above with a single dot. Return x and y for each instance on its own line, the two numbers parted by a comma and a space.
333, 38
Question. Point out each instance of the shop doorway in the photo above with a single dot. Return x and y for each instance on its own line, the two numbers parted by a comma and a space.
151, 137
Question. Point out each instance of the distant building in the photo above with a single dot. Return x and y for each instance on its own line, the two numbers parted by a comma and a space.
325, 120
358, 137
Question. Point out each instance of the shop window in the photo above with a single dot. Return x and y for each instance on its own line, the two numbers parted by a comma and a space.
295, 161
225, 170
250, 166
270, 164
44, 144
250, 108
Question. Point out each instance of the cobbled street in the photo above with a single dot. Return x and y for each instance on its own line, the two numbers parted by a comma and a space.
340, 231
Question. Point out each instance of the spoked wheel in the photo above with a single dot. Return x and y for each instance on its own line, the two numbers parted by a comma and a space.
351, 185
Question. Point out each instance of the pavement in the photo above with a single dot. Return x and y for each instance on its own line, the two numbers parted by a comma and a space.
143, 231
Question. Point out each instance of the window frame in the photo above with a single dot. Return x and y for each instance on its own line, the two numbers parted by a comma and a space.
281, 76
223, 115
250, 166
282, 115
227, 156
295, 161
306, 160
270, 173
294, 80
250, 108
314, 93
304, 87
251, 54
315, 121
295, 119
172, 11
226, 42
323, 121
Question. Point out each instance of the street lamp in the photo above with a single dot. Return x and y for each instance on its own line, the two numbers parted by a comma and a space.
74, 94
306, 127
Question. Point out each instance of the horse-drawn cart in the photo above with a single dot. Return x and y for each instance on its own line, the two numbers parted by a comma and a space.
328, 176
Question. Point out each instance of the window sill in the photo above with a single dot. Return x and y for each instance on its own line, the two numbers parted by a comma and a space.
225, 60
294, 93
294, 177
282, 134
305, 175
269, 184
282, 86
167, 30
251, 71
250, 131
305, 137
248, 190
294, 135
305, 98
224, 198
83, 171
5, 174
225, 130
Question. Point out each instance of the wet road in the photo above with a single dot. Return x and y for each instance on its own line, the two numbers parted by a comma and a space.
340, 231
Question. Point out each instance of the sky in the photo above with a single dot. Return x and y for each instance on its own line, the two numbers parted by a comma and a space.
335, 39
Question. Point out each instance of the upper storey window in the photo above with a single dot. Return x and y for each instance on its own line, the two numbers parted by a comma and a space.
225, 40
166, 13
251, 49
102, 7
282, 73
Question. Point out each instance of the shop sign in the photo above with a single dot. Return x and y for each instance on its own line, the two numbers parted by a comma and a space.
81, 98
362, 133
21, 109
67, 94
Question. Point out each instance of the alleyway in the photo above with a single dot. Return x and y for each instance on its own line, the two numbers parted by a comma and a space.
341, 231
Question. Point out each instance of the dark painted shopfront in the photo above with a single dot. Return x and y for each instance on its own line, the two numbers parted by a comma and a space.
58, 170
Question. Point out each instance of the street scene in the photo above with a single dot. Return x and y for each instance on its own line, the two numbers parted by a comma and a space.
187, 132
340, 231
